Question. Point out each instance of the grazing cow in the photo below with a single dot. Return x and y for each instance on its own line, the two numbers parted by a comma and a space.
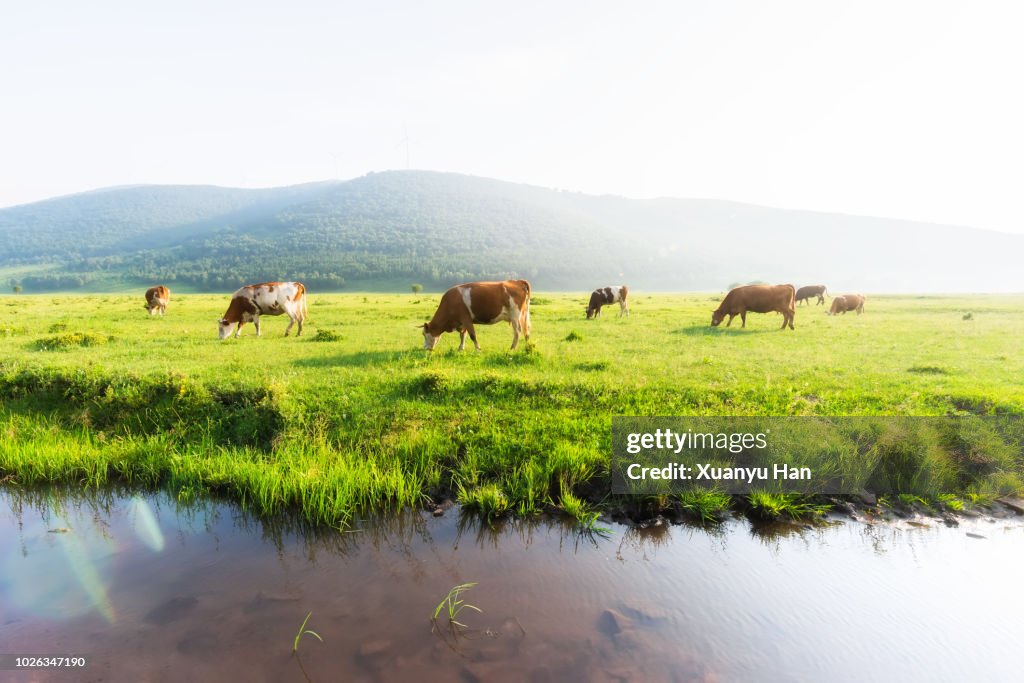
616, 294
482, 303
805, 293
157, 299
269, 298
757, 299
847, 302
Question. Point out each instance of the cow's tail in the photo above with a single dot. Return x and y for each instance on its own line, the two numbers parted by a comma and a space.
824, 291
300, 296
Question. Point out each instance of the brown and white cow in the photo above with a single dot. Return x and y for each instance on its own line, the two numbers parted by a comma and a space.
157, 299
480, 303
268, 298
847, 302
603, 296
757, 299
811, 291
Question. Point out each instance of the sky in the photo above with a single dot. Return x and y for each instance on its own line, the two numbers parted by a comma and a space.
909, 109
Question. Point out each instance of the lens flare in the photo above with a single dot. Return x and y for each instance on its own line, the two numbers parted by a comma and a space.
145, 524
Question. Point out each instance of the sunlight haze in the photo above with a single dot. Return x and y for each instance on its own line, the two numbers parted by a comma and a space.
906, 110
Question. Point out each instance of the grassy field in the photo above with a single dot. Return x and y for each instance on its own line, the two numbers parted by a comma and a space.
354, 415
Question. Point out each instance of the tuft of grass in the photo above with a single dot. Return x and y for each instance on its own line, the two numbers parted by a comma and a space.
950, 502
488, 500
303, 631
62, 342
579, 510
707, 505
928, 370
432, 382
770, 506
573, 336
968, 316
325, 335
452, 604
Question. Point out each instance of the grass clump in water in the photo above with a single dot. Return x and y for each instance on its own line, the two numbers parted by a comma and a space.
579, 510
453, 604
303, 631
771, 506
487, 500
706, 505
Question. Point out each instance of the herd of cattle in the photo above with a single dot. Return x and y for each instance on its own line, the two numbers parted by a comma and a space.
486, 303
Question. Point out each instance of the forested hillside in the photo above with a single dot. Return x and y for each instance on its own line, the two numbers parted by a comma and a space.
388, 230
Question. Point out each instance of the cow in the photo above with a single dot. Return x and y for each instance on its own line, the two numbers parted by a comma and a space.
602, 296
847, 302
157, 299
757, 299
805, 293
481, 303
268, 298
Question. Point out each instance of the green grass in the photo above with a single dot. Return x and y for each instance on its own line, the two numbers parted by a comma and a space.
772, 506
303, 631
355, 416
452, 604
704, 505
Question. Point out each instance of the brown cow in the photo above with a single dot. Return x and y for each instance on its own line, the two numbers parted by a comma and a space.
757, 299
805, 293
483, 303
847, 302
269, 298
603, 296
157, 299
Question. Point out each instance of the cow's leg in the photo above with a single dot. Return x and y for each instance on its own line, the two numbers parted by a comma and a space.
623, 310
291, 322
472, 335
526, 329
298, 319
238, 330
743, 317
462, 339
731, 316
515, 333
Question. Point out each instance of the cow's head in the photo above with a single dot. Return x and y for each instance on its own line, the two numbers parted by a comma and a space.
716, 317
223, 328
429, 338
591, 311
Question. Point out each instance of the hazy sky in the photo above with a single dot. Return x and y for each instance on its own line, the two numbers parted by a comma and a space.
901, 109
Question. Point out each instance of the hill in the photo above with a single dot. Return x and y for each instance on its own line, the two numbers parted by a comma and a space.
388, 230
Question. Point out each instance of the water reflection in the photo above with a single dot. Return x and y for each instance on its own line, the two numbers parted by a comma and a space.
210, 591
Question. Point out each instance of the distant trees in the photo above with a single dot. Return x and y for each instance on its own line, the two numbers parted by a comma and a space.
16, 289
417, 288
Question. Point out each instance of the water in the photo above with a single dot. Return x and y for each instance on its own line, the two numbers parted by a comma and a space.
149, 590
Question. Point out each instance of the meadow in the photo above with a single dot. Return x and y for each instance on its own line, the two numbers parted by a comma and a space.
354, 416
